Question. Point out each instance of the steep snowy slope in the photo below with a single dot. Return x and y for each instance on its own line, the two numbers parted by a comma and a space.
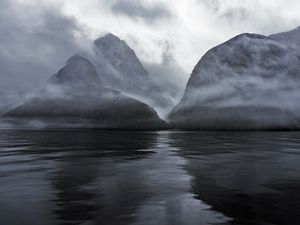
251, 82
75, 97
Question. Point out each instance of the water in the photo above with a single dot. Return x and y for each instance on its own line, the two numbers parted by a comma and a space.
172, 178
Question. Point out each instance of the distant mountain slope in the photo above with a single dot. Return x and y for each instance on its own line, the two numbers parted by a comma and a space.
75, 98
120, 69
250, 82
290, 38
9, 99
124, 70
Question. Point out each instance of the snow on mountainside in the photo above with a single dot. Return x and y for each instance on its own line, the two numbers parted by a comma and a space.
250, 82
75, 98
120, 69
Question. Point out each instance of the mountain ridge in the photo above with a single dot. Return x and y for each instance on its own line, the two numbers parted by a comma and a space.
75, 98
248, 75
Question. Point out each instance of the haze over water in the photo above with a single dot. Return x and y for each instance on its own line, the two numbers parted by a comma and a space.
173, 178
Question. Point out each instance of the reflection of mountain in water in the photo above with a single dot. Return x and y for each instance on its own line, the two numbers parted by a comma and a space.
75, 200
92, 178
88, 185
250, 177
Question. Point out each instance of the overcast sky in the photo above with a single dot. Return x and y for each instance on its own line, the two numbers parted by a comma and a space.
37, 36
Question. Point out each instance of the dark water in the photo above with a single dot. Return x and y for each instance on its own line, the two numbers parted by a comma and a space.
174, 178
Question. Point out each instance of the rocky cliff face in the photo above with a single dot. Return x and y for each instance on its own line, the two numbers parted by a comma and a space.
75, 98
250, 82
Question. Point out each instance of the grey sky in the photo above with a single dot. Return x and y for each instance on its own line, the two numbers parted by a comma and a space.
34, 42
136, 9
37, 36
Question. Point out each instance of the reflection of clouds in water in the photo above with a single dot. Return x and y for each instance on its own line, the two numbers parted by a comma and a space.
149, 178
106, 177
171, 202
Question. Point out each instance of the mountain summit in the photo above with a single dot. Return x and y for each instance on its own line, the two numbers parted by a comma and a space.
120, 69
78, 71
123, 70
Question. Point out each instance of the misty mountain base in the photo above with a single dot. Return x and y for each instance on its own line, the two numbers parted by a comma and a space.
75, 98
250, 82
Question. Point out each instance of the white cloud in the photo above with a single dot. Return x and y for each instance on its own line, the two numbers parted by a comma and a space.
191, 27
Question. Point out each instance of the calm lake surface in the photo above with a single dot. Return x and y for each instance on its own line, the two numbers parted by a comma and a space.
149, 178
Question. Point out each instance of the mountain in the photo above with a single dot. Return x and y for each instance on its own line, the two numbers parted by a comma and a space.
250, 82
75, 98
9, 99
120, 69
3, 102
290, 38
